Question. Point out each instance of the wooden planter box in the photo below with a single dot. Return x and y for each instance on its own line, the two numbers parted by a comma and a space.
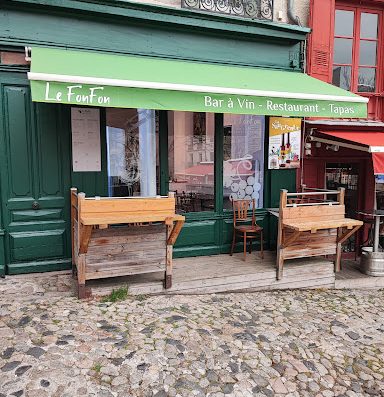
140, 242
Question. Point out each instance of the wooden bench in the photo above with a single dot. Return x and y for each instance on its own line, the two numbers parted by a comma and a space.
310, 224
141, 242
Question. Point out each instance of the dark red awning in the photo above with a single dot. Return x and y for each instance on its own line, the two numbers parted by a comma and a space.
370, 141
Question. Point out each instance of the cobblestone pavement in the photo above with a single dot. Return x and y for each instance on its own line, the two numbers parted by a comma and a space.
285, 343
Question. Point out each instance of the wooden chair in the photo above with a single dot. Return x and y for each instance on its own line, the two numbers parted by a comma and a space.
248, 231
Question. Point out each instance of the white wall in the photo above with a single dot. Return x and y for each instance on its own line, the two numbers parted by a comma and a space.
301, 8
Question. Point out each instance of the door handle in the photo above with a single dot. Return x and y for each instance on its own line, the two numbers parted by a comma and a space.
35, 205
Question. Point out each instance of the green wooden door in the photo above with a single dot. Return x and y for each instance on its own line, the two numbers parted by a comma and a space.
34, 180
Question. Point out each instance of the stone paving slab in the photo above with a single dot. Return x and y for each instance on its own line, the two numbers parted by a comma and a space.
320, 343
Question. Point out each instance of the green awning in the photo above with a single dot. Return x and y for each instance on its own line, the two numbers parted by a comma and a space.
125, 81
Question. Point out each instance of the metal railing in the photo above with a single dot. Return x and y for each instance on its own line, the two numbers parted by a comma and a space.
314, 196
255, 9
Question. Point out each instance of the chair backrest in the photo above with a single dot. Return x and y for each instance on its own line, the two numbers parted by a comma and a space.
240, 210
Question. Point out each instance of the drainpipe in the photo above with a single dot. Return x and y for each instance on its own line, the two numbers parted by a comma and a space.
291, 15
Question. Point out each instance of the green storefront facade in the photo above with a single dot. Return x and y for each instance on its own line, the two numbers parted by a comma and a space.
36, 170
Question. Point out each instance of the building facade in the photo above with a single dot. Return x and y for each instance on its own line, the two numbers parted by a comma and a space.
346, 49
60, 129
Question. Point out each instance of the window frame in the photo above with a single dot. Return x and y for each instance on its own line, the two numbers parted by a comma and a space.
356, 40
265, 142
164, 162
218, 155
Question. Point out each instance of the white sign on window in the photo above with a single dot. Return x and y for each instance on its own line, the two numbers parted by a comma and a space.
86, 150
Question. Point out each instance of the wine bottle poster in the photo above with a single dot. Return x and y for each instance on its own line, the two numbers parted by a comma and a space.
284, 143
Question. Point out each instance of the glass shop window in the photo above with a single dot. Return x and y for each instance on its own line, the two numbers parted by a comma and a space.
191, 160
355, 54
132, 152
243, 167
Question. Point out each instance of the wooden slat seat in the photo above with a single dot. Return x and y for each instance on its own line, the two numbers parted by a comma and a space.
248, 228
303, 226
114, 219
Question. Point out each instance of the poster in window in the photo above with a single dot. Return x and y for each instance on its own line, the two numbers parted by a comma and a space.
86, 150
284, 143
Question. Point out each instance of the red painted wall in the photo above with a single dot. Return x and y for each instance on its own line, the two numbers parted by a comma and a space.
319, 65
319, 56
320, 46
313, 174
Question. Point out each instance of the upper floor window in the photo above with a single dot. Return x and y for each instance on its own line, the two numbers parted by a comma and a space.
355, 50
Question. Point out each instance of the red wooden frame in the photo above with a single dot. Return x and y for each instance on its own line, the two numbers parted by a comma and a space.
321, 46
312, 172
365, 182
375, 105
358, 10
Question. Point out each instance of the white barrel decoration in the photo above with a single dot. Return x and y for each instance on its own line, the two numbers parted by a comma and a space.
249, 189
251, 180
241, 193
242, 184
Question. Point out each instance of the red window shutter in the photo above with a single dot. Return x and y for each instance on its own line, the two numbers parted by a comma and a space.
322, 14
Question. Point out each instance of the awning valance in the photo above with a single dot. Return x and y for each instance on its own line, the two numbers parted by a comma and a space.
99, 79
366, 141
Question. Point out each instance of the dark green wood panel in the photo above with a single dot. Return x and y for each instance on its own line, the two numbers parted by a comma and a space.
250, 47
163, 153
214, 236
18, 142
218, 153
34, 180
37, 226
31, 245
281, 179
21, 216
49, 171
197, 233
278, 179
160, 15
2, 232
39, 266
2, 253
91, 183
